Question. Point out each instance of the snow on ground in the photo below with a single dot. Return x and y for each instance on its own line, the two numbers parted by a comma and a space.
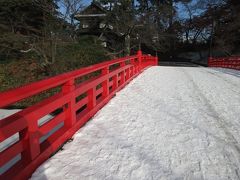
168, 123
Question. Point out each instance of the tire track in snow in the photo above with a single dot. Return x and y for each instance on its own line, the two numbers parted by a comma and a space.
221, 76
231, 140
213, 113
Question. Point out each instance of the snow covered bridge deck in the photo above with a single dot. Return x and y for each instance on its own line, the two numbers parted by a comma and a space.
168, 123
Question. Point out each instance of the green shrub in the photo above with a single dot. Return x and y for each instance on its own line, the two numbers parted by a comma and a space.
69, 56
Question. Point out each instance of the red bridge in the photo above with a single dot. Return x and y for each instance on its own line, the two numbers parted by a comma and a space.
84, 92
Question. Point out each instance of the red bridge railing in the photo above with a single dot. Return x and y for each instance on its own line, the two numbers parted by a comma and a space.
76, 104
228, 62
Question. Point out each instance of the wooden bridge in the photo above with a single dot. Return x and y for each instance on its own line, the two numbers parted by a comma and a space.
161, 107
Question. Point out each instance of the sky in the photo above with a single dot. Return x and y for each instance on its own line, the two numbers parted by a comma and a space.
86, 2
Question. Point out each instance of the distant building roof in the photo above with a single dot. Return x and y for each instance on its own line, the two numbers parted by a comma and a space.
93, 10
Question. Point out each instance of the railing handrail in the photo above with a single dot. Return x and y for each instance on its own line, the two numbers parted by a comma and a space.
28, 90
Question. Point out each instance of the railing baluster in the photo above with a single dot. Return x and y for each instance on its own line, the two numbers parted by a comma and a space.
115, 82
127, 73
133, 68
91, 98
34, 146
67, 88
105, 83
122, 81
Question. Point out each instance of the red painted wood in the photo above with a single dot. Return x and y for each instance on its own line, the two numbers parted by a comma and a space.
228, 62
74, 114
11, 152
48, 126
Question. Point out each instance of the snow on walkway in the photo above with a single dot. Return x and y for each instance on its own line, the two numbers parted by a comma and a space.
168, 123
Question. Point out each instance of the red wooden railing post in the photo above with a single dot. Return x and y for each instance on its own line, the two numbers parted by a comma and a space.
139, 55
34, 146
122, 81
91, 93
67, 88
105, 83
127, 73
133, 71
115, 82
